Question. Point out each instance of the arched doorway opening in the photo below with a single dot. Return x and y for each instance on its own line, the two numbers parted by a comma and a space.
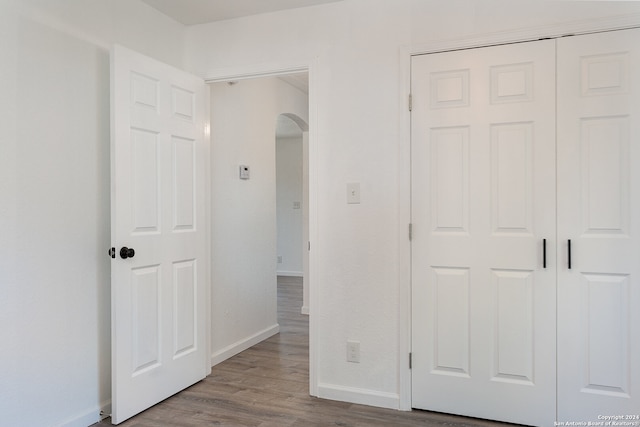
292, 200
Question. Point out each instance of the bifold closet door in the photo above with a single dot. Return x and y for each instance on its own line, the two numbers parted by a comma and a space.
483, 203
599, 214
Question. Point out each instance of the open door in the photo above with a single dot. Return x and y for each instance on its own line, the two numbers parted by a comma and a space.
159, 266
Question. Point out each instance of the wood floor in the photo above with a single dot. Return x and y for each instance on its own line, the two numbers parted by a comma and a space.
268, 386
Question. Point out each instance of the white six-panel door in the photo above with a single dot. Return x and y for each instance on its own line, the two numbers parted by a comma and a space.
599, 211
158, 155
483, 202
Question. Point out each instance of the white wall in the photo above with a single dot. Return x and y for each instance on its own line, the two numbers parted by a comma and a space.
243, 129
54, 200
360, 98
289, 182
54, 191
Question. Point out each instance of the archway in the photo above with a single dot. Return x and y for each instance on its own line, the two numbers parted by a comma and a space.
292, 200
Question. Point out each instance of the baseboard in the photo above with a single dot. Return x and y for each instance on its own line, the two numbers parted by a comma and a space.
290, 273
359, 396
305, 310
90, 416
242, 345
105, 409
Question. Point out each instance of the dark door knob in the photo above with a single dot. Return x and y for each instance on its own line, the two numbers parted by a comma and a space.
126, 252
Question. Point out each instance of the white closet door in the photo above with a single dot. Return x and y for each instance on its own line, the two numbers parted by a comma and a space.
159, 289
599, 212
483, 200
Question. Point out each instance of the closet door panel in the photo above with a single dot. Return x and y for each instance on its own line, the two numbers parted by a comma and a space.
599, 212
483, 199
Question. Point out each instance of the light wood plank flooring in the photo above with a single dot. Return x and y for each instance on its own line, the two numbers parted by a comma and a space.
268, 386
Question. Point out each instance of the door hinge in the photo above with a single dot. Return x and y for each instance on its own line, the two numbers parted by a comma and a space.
410, 231
410, 102
410, 360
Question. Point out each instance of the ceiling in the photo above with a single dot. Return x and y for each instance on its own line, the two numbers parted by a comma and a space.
191, 12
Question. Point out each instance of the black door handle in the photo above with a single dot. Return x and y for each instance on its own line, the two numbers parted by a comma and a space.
544, 253
569, 254
127, 252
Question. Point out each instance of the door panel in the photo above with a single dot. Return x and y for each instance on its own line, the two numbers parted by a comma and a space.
483, 184
512, 178
513, 335
451, 321
159, 309
183, 183
599, 211
450, 176
145, 181
145, 290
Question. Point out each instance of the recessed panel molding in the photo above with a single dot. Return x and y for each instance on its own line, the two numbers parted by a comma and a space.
513, 331
450, 89
146, 295
512, 83
451, 319
607, 318
145, 194
185, 307
144, 91
606, 74
606, 175
183, 104
512, 178
450, 179
184, 178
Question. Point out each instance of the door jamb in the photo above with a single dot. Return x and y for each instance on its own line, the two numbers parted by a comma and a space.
610, 23
276, 69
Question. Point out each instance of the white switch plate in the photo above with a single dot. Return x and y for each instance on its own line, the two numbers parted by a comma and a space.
353, 193
353, 351
244, 172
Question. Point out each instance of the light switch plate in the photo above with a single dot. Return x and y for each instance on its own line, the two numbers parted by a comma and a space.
353, 193
353, 351
244, 172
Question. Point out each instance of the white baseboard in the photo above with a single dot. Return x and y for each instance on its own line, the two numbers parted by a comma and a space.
359, 396
90, 416
305, 310
242, 345
290, 273
105, 409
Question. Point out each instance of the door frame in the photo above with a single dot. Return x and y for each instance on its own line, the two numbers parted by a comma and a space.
404, 155
276, 69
